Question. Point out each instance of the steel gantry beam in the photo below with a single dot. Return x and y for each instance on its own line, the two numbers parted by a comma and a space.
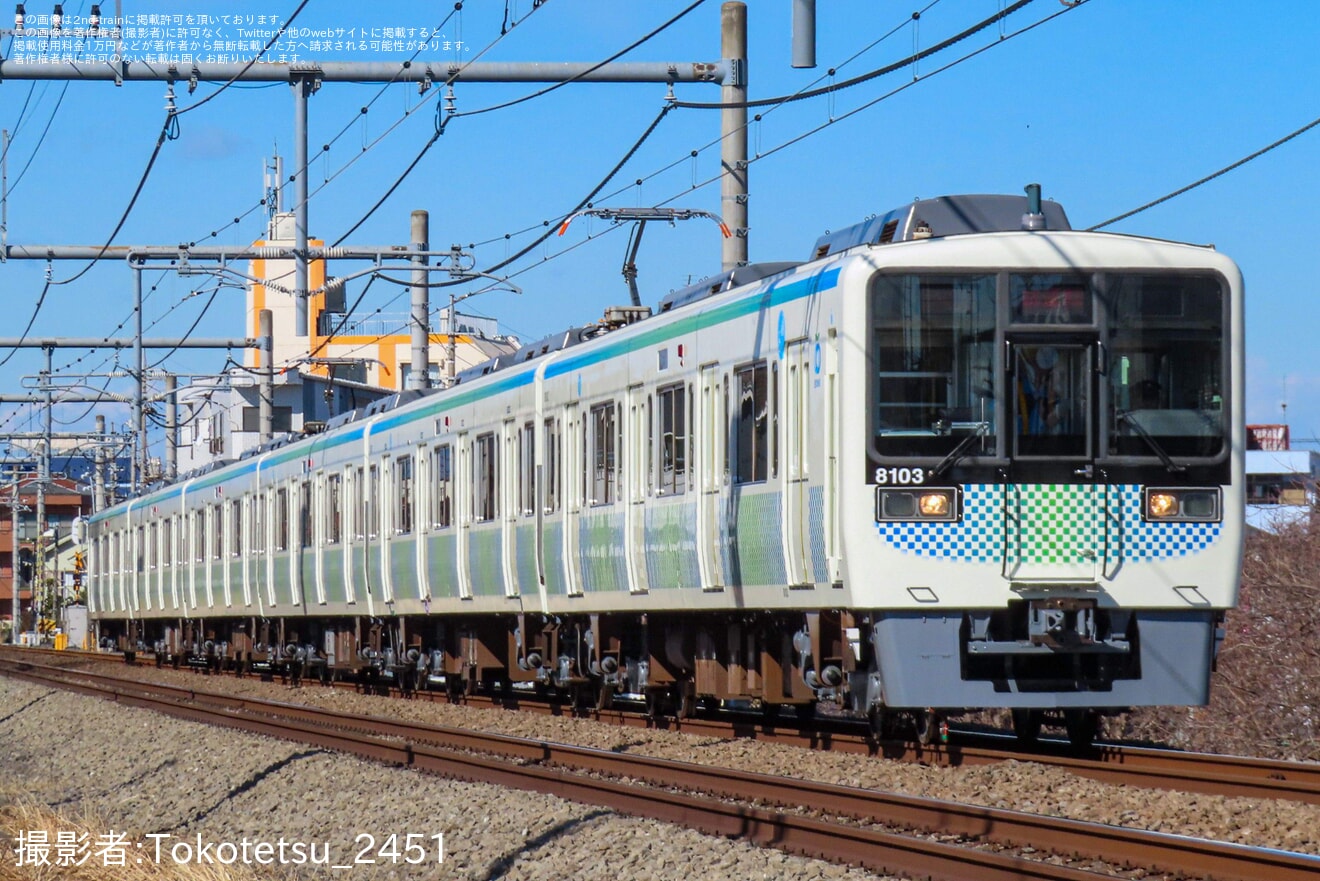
305, 78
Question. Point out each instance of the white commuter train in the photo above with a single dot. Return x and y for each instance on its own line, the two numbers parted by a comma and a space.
963, 457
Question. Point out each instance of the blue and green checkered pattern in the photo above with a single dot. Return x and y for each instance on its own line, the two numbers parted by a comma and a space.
1050, 523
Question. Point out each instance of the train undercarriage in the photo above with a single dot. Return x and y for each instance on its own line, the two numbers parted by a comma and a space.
674, 664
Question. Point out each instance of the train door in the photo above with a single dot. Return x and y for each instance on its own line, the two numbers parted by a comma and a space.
387, 521
371, 525
712, 454
422, 524
574, 473
1053, 529
463, 512
637, 483
511, 504
353, 534
795, 473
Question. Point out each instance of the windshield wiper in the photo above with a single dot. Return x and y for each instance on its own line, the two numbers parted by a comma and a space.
1126, 416
959, 452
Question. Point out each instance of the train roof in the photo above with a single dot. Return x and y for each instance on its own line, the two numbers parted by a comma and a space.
938, 218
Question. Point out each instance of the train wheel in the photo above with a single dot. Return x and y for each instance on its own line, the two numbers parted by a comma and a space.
878, 717
928, 727
1026, 725
604, 696
655, 703
1082, 727
685, 701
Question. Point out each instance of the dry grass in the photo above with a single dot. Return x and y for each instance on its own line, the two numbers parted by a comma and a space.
20, 815
1265, 696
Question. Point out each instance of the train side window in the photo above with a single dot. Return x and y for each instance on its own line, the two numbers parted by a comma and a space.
485, 473
259, 525
140, 555
603, 454
752, 428
442, 487
282, 519
356, 515
236, 528
550, 469
403, 495
305, 514
527, 469
371, 509
199, 535
333, 510
166, 543
673, 440
217, 532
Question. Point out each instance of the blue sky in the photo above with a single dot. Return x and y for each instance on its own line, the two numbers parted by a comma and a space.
1108, 106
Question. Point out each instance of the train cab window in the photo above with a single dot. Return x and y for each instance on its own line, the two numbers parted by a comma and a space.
550, 471
673, 441
442, 486
403, 495
282, 519
752, 428
932, 364
333, 510
485, 473
527, 470
1167, 365
602, 455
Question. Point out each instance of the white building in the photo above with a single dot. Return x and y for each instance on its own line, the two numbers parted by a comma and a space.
1281, 482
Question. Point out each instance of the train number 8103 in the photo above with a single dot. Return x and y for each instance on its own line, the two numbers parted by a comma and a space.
900, 476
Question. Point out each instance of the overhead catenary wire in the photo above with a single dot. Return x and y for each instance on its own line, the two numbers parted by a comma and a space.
870, 75
597, 66
271, 42
1209, 177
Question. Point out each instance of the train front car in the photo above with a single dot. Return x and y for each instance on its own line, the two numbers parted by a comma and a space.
1043, 505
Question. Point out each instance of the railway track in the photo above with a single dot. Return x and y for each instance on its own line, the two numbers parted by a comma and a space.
790, 814
1233, 776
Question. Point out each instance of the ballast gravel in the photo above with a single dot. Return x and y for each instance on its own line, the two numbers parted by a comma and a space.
139, 772
1023, 786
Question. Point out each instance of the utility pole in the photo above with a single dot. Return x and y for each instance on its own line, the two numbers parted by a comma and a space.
733, 133
43, 479
266, 390
98, 479
171, 427
419, 377
14, 582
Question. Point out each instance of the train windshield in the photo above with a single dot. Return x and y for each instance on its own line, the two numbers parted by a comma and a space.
1088, 366
1166, 365
934, 356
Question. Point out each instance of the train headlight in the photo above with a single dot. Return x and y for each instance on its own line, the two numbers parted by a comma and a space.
1179, 505
916, 504
934, 504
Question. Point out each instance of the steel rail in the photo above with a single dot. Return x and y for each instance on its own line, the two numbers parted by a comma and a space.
411, 743
1235, 776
